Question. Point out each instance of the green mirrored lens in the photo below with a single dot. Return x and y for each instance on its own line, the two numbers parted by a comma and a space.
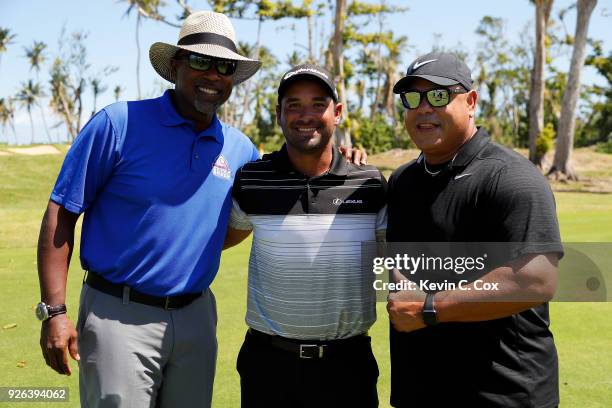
413, 99
222, 67
226, 67
438, 97
199, 63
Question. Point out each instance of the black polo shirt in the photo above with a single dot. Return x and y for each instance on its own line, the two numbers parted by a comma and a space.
488, 193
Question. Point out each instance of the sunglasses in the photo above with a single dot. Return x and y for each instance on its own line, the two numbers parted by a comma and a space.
204, 63
435, 97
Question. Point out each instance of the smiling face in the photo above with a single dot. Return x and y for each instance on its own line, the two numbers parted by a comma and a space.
439, 132
308, 116
198, 93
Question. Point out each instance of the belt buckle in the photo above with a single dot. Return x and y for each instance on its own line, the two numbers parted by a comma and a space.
304, 347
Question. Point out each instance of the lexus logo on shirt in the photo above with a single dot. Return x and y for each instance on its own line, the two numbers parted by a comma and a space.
339, 201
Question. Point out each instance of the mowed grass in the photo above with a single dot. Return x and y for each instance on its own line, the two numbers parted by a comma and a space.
583, 331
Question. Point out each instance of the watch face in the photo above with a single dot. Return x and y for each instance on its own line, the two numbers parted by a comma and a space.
41, 312
430, 317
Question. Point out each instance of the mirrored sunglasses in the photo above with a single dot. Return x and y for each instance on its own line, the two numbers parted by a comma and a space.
204, 63
435, 97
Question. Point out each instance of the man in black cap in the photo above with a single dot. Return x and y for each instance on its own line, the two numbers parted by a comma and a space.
309, 304
468, 346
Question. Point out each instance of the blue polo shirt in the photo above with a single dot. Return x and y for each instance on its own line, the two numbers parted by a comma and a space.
156, 195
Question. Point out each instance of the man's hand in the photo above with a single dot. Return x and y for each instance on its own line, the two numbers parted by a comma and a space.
358, 157
58, 338
57, 334
406, 310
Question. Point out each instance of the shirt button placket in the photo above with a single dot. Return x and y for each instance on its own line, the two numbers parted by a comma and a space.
195, 156
312, 198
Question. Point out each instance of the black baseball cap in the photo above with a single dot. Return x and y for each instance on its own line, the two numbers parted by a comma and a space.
441, 68
308, 71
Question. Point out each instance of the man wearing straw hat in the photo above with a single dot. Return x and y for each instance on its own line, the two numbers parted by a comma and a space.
153, 178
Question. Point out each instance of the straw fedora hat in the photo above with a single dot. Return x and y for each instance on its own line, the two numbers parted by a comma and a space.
207, 33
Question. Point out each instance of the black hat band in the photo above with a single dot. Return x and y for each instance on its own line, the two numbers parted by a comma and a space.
208, 38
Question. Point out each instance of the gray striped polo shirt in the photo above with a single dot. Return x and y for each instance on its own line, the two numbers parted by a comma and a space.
305, 275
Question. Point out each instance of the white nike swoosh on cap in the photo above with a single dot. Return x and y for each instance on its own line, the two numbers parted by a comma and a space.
420, 64
458, 176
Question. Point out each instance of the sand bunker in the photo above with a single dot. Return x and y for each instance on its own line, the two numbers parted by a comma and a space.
34, 151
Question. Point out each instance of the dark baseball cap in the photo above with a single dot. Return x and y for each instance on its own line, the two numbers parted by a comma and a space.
308, 71
441, 68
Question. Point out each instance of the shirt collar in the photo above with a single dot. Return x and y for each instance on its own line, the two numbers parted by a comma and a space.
338, 166
466, 153
170, 117
471, 148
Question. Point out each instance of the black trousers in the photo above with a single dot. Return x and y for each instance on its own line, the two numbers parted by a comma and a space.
271, 377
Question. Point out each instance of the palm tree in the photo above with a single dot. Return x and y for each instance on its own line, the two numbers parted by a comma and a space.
35, 54
243, 91
344, 130
295, 58
6, 38
7, 116
536, 93
390, 69
147, 9
266, 79
360, 90
117, 92
62, 99
36, 57
562, 165
268, 61
136, 4
28, 97
96, 89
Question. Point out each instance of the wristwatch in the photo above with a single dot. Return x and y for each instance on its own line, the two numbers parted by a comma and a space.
45, 311
430, 316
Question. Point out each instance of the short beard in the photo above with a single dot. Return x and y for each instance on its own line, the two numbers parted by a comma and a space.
203, 109
312, 150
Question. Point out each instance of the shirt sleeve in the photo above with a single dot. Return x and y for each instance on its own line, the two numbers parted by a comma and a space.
381, 216
522, 208
381, 221
239, 219
87, 166
255, 153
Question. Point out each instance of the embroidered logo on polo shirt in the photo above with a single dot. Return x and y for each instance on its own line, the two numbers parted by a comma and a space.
221, 168
460, 176
339, 201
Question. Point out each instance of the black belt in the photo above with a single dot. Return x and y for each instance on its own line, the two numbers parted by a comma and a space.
121, 291
309, 349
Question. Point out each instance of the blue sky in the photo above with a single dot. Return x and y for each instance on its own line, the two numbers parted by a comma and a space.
111, 38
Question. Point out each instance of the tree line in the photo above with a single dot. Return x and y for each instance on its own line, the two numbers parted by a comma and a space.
526, 101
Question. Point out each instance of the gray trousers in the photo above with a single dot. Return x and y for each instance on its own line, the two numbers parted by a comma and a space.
135, 355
